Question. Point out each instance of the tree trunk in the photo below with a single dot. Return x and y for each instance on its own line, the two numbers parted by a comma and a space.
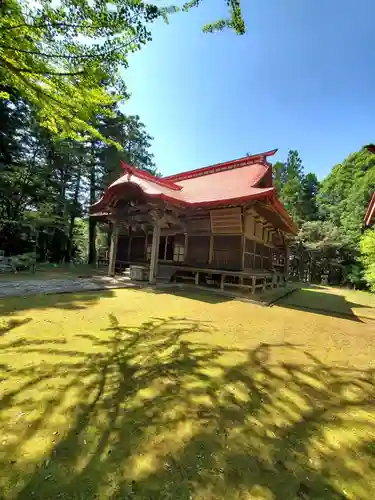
92, 220
73, 215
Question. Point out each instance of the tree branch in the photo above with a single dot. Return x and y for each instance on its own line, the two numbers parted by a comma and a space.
35, 87
57, 56
44, 25
47, 73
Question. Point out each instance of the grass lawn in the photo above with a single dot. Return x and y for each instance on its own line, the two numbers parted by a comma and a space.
130, 394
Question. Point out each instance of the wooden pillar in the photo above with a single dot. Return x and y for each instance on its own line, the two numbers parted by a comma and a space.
243, 239
286, 267
146, 245
165, 248
243, 244
253, 279
113, 250
186, 247
129, 243
222, 282
154, 252
211, 252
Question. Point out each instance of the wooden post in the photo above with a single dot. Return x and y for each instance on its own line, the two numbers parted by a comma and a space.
243, 239
211, 252
129, 243
113, 250
197, 278
286, 268
253, 284
222, 281
146, 245
154, 252
165, 248
186, 247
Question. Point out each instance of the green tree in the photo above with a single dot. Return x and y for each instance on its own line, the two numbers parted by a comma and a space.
279, 176
47, 185
367, 246
310, 188
63, 57
345, 193
288, 178
322, 234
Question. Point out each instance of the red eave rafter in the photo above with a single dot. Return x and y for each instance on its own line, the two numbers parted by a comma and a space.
218, 167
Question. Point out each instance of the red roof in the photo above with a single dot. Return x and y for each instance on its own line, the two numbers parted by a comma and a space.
370, 214
236, 181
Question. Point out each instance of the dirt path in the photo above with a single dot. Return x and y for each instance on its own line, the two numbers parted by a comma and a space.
33, 286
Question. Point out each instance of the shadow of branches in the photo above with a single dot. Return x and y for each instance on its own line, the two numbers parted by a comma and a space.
68, 300
150, 413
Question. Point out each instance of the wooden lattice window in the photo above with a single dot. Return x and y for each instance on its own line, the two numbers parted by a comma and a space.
179, 252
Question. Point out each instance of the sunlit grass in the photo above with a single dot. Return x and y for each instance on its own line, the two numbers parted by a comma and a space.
134, 394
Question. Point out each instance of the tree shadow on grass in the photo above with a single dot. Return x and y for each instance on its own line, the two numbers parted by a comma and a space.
9, 325
193, 293
328, 304
75, 301
151, 412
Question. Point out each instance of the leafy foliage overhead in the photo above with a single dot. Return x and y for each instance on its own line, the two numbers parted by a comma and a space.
235, 20
64, 57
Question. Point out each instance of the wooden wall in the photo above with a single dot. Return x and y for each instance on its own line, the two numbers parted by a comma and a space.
198, 250
122, 248
262, 243
137, 248
226, 221
257, 255
227, 252
220, 239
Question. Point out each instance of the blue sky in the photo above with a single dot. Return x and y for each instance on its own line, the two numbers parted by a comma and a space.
303, 77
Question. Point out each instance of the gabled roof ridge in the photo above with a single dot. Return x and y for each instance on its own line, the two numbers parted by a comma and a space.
143, 174
220, 167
